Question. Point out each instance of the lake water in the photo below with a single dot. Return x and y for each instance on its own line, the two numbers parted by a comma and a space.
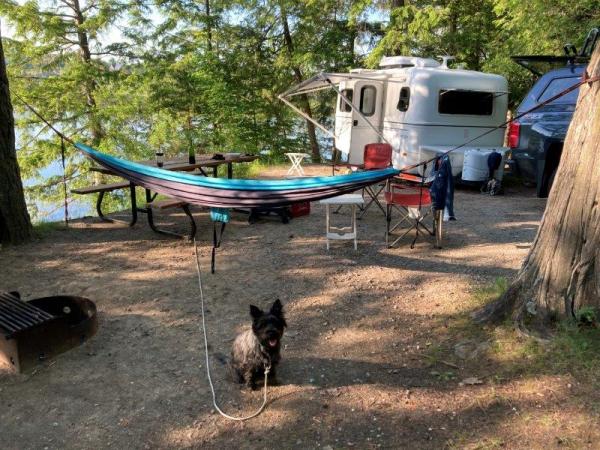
54, 212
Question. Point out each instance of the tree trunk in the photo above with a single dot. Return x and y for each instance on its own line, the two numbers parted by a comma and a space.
15, 225
561, 273
304, 103
91, 85
208, 25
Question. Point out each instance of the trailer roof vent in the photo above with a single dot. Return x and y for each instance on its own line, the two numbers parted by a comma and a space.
445, 60
399, 62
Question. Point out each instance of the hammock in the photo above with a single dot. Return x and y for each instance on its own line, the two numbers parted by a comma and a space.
228, 193
221, 194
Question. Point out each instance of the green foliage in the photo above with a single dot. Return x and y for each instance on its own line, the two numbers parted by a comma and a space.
577, 349
587, 316
443, 376
42, 229
485, 294
483, 34
574, 347
177, 76
128, 77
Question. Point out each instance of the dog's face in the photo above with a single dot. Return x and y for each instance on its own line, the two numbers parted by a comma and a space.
268, 326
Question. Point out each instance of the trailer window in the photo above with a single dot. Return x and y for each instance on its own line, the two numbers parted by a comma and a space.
368, 95
404, 99
466, 102
345, 107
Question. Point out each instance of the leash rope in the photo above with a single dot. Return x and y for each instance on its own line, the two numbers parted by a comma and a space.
212, 388
64, 180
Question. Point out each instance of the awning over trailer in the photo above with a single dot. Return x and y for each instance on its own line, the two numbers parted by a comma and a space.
324, 80
329, 80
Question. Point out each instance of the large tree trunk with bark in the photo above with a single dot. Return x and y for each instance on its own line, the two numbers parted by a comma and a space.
15, 225
561, 273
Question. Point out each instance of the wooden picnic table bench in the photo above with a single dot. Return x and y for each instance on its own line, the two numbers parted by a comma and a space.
103, 189
163, 204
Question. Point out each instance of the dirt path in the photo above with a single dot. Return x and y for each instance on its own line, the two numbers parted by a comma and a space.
367, 361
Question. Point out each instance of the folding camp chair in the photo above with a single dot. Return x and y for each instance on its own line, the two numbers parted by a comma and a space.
376, 156
413, 202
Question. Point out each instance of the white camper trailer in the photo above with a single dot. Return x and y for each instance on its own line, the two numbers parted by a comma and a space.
422, 108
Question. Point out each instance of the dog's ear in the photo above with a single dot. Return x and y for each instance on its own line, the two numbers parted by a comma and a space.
255, 312
277, 311
277, 308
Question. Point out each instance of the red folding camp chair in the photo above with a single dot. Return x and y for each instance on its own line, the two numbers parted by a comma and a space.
376, 156
413, 202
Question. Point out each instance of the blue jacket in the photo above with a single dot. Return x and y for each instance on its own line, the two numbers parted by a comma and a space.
442, 187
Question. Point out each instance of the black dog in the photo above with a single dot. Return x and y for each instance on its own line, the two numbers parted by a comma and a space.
260, 347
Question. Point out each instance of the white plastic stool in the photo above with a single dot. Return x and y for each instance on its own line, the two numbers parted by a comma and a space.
339, 233
296, 159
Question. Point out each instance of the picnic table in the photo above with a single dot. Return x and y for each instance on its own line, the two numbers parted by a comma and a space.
180, 164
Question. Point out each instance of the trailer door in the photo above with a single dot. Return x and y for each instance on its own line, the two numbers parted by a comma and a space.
368, 105
343, 117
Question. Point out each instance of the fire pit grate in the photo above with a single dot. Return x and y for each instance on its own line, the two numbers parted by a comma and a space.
17, 316
34, 331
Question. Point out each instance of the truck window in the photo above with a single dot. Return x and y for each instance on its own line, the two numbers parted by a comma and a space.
368, 95
474, 103
404, 99
345, 107
557, 85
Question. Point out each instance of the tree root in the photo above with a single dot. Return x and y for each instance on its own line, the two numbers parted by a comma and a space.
499, 309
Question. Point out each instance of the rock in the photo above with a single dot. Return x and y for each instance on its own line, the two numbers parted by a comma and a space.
471, 381
462, 349
471, 350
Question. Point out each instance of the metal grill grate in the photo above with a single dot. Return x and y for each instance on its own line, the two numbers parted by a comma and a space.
17, 316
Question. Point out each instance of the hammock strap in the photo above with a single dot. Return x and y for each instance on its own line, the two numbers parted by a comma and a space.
217, 215
216, 243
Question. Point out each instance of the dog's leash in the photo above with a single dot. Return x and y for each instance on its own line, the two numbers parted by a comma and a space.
212, 388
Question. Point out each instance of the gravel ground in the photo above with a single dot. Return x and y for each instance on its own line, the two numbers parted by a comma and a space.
357, 370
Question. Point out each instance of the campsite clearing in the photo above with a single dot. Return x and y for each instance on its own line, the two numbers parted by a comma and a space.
378, 353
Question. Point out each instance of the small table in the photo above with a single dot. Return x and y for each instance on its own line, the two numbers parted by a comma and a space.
339, 233
296, 159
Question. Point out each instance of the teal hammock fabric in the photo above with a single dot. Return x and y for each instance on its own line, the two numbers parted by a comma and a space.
230, 193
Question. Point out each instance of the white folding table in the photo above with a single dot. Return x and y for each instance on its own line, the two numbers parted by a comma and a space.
296, 159
339, 233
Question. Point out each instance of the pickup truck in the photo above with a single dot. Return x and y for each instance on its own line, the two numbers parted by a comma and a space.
537, 138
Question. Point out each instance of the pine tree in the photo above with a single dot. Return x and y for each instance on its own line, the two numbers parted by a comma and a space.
15, 226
